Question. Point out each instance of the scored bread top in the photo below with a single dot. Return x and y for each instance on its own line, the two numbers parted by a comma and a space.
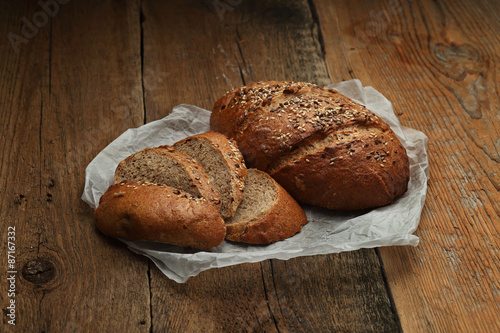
166, 166
222, 161
159, 213
290, 129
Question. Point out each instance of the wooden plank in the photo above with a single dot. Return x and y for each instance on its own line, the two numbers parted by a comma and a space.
279, 40
23, 75
67, 93
178, 65
246, 42
437, 62
330, 293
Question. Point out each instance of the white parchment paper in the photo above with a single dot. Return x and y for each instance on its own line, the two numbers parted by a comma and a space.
327, 231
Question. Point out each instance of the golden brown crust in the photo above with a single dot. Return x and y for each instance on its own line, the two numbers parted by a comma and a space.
197, 175
357, 177
145, 211
232, 157
283, 220
295, 131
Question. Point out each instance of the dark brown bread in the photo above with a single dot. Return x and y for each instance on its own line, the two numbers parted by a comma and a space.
322, 147
222, 161
158, 213
266, 214
166, 166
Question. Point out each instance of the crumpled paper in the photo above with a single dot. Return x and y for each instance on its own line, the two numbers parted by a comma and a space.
327, 231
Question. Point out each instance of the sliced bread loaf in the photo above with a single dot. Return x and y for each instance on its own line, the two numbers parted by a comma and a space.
223, 162
266, 214
158, 213
166, 166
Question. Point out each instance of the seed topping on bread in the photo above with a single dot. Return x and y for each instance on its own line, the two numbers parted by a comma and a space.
311, 137
292, 112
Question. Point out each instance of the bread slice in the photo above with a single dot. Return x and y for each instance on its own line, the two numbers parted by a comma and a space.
223, 162
266, 214
158, 213
166, 166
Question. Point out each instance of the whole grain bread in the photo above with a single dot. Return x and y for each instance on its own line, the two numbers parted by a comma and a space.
166, 166
158, 213
322, 147
223, 162
266, 214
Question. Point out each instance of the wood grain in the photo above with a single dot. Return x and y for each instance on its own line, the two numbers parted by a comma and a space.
92, 69
189, 55
253, 41
70, 91
329, 293
438, 63
20, 201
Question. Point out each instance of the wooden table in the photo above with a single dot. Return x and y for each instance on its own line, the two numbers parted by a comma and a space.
76, 74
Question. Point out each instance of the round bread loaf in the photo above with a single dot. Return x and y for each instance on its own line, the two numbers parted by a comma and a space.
159, 213
322, 147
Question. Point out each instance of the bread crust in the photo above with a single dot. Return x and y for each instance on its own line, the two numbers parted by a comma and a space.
284, 219
158, 213
232, 158
194, 170
295, 132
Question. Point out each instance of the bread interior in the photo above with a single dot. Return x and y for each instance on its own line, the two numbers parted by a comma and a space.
156, 166
211, 159
259, 195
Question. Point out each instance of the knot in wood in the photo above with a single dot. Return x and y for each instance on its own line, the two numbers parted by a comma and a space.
38, 271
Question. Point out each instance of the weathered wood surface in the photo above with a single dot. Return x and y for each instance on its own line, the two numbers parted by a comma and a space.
97, 68
65, 95
438, 62
252, 42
